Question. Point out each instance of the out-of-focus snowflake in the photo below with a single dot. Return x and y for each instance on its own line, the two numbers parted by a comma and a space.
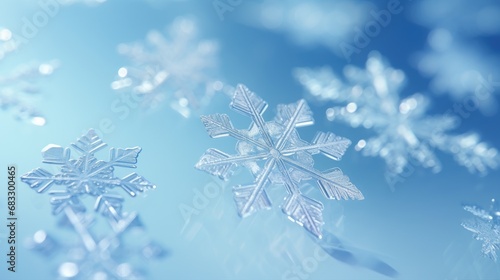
94, 254
177, 68
486, 227
480, 17
275, 154
405, 134
467, 74
18, 87
316, 22
97, 253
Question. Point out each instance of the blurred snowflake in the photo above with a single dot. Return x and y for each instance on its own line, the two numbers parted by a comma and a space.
98, 252
486, 227
178, 68
469, 75
327, 23
285, 158
405, 134
480, 17
18, 87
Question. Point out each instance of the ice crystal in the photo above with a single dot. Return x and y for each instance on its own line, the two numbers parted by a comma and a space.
465, 73
178, 68
309, 22
486, 227
83, 180
284, 159
405, 134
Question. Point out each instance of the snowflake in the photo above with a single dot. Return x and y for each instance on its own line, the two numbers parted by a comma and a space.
86, 175
285, 158
89, 177
464, 72
310, 22
179, 69
405, 134
485, 227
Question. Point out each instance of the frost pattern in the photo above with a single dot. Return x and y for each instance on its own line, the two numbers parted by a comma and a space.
18, 89
284, 159
310, 22
179, 69
486, 227
86, 180
405, 134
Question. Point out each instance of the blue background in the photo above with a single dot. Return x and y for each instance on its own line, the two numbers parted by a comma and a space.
414, 227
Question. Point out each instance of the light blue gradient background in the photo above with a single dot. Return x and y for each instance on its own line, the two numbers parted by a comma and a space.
415, 228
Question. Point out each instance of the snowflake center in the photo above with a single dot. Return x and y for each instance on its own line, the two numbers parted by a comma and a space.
275, 153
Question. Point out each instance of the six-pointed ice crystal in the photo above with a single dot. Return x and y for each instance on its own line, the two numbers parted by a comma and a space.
275, 154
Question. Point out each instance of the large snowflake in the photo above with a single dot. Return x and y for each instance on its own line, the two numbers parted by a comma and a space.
83, 180
179, 69
275, 154
486, 227
405, 134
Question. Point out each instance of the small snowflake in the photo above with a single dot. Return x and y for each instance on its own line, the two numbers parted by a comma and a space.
97, 254
86, 175
486, 227
179, 69
285, 159
405, 133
